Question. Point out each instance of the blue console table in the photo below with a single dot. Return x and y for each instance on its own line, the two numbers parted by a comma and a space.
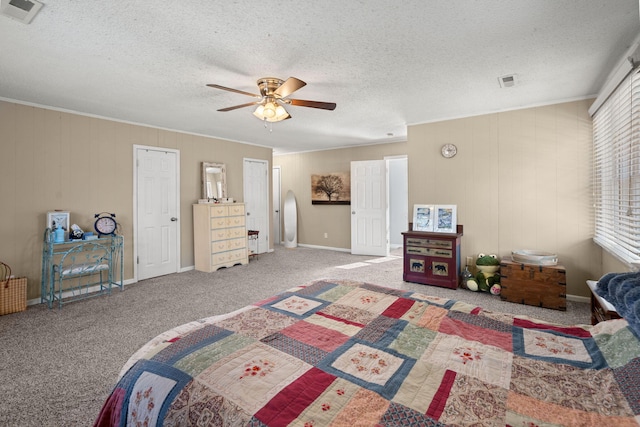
78, 269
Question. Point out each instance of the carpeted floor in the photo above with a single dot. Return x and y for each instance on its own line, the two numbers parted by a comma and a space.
58, 366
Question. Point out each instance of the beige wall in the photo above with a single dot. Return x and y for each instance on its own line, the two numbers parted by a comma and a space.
54, 160
521, 180
335, 220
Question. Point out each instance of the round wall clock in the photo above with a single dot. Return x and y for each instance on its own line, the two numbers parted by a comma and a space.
449, 150
105, 223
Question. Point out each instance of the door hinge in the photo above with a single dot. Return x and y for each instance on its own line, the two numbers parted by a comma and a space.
137, 260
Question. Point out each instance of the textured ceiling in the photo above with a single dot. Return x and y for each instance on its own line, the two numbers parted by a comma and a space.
386, 64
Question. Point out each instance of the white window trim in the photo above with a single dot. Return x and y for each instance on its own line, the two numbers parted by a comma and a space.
616, 172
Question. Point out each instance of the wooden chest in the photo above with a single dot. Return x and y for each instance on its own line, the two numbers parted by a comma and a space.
539, 285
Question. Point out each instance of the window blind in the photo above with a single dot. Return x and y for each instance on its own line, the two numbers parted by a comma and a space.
616, 174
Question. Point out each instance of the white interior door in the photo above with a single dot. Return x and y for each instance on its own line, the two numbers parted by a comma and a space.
277, 195
369, 208
256, 199
156, 200
398, 200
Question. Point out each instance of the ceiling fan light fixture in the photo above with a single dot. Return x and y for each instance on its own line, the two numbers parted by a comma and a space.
271, 112
273, 94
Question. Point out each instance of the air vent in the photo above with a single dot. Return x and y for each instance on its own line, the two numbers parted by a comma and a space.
507, 81
20, 10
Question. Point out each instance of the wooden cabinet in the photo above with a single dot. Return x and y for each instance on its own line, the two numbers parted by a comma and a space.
219, 236
432, 258
601, 309
538, 285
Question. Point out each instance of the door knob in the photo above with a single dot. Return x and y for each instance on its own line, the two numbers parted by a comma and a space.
173, 218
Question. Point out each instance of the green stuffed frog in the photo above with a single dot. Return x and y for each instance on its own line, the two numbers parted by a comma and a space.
488, 277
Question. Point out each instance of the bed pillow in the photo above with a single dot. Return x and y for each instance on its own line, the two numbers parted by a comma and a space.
622, 290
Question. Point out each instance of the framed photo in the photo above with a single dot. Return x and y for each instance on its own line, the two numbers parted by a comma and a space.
446, 219
423, 217
58, 219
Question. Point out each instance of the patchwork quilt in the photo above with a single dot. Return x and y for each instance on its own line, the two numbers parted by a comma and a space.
343, 353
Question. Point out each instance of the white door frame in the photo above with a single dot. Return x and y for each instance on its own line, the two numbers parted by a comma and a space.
264, 237
135, 203
277, 189
398, 220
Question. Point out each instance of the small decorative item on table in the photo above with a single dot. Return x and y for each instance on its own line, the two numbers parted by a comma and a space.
76, 233
58, 219
105, 224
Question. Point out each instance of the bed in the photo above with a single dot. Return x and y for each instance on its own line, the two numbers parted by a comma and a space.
344, 353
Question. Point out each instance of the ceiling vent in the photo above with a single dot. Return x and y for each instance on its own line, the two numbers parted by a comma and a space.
507, 81
20, 10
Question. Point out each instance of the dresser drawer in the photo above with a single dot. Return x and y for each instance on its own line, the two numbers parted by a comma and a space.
219, 210
234, 244
236, 232
219, 246
236, 210
235, 221
228, 258
219, 234
227, 222
228, 233
218, 222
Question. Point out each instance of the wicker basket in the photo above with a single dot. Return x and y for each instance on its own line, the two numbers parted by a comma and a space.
13, 291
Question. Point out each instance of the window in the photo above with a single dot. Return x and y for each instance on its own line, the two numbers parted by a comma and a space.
616, 174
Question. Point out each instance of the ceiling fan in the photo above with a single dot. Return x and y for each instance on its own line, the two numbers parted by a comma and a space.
273, 97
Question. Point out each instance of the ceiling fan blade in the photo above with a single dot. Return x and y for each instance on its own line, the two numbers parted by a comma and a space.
234, 90
289, 86
312, 104
235, 107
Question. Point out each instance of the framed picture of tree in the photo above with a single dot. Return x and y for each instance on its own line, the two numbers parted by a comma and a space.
331, 189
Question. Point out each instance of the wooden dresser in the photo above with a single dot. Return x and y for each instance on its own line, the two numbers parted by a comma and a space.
219, 236
432, 258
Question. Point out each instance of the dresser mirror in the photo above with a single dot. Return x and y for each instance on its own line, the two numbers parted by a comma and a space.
214, 181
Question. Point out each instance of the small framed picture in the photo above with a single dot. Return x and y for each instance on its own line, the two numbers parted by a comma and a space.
423, 217
416, 265
58, 219
440, 268
446, 218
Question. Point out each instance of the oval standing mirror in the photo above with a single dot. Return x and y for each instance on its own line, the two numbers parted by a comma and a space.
214, 181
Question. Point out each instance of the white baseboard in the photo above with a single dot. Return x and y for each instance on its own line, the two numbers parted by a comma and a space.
324, 247
578, 298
